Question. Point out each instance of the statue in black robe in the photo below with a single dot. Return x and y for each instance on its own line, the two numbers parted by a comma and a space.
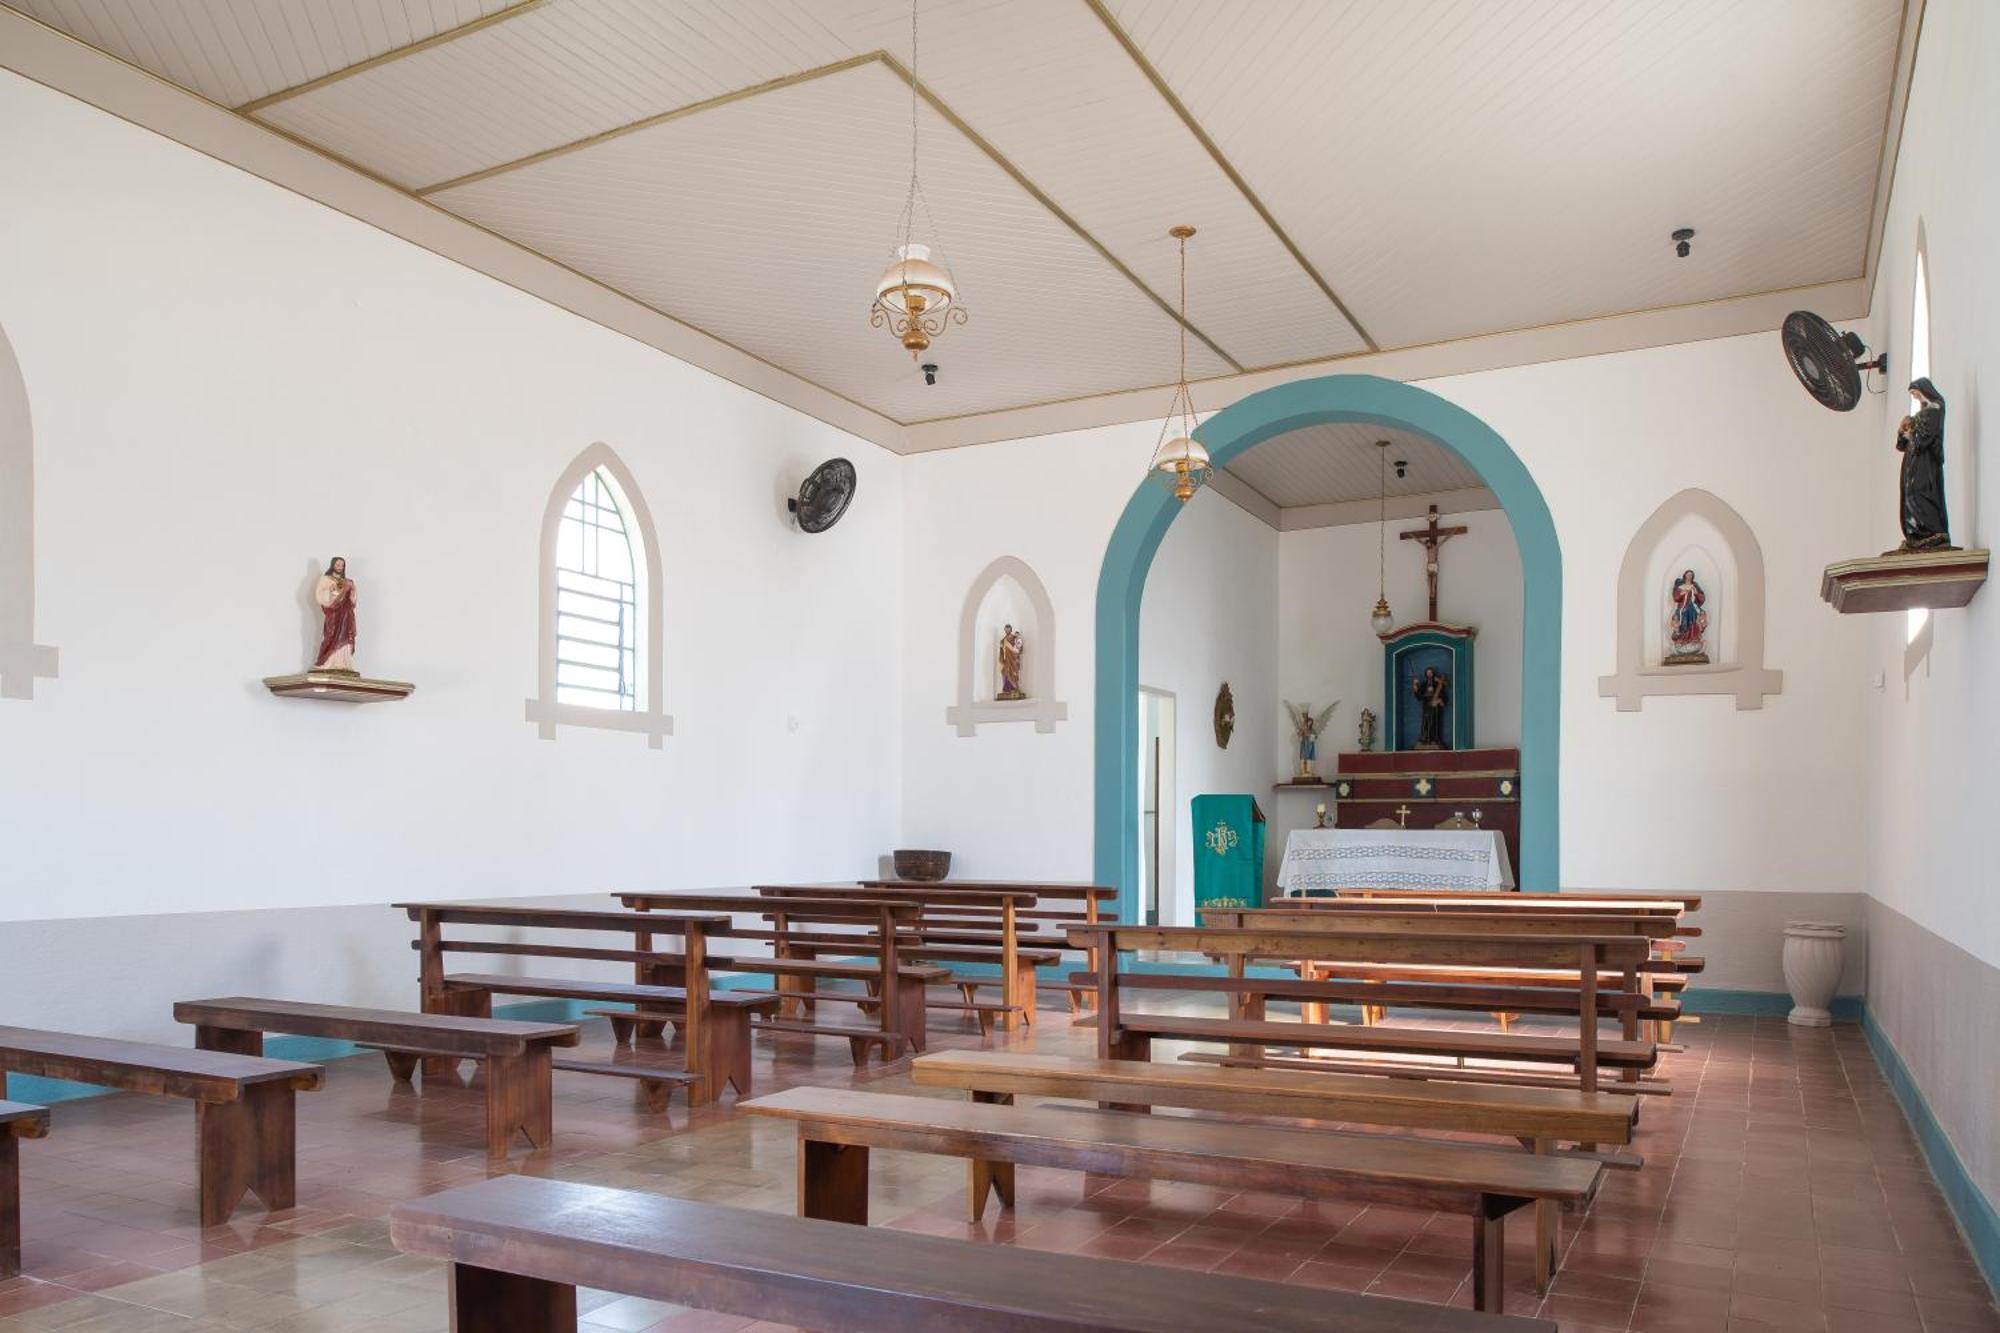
1433, 694
1920, 439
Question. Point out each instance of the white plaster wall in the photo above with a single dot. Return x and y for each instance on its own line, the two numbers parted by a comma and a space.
1211, 614
229, 383
1933, 845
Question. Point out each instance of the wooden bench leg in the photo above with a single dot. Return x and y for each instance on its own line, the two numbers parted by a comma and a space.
621, 1030
656, 1094
483, 1299
1489, 1249
913, 1016
247, 1146
1024, 989
463, 1004
857, 1047
1547, 1228
833, 1181
10, 1204
518, 1100
402, 1065
228, 1039
983, 1178
726, 1033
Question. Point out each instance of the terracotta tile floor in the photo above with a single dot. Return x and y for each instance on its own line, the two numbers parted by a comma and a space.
1782, 1190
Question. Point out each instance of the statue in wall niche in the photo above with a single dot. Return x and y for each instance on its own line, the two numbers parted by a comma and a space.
1433, 693
1307, 726
1366, 740
335, 594
1920, 440
1012, 645
1687, 623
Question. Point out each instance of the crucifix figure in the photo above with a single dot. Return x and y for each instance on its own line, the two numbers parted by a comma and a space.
1432, 536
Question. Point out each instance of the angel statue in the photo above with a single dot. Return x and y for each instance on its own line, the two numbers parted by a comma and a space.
1308, 727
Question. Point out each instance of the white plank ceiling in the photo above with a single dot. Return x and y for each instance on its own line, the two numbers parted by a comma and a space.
1339, 461
1435, 169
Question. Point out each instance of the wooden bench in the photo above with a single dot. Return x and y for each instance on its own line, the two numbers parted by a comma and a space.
1539, 1118
245, 1116
516, 1056
1124, 1035
17, 1121
520, 1246
717, 1046
837, 1127
1059, 905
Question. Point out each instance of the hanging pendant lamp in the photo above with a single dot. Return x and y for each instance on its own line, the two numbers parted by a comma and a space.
1382, 619
916, 298
1179, 460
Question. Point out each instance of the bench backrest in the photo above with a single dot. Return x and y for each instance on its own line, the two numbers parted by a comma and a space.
848, 1279
1426, 920
143, 1066
1330, 941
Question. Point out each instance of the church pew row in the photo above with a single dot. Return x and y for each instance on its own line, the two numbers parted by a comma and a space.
245, 1116
1126, 1033
519, 1246
838, 1127
1538, 1118
17, 1121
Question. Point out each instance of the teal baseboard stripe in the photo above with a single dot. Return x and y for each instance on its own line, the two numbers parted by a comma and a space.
1976, 1216
1774, 1004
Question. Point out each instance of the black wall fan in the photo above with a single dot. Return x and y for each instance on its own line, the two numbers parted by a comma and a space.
824, 496
1828, 362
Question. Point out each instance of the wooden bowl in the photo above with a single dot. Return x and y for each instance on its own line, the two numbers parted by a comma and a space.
920, 865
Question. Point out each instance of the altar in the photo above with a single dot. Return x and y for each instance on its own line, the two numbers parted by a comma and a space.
1319, 861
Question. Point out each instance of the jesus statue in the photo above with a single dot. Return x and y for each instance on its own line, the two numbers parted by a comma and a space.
335, 594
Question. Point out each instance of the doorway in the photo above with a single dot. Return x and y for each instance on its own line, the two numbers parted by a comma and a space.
1158, 809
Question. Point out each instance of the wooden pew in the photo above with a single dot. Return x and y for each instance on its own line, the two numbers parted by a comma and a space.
1539, 1118
245, 1119
520, 1246
893, 990
517, 1056
1001, 908
717, 1030
1093, 903
1126, 1035
17, 1121
1676, 901
837, 1128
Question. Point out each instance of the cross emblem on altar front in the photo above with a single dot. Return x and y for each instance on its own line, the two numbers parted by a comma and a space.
1423, 786
1403, 815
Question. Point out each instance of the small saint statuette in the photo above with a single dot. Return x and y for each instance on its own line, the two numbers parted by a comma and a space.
1366, 740
1012, 645
1433, 694
1307, 726
1920, 440
1687, 623
335, 594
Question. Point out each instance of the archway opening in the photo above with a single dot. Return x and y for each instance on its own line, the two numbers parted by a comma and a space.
1234, 431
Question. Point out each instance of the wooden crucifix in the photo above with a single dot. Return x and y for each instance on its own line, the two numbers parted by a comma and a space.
1432, 536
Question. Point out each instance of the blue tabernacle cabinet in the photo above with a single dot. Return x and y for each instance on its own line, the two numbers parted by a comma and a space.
1415, 722
1228, 853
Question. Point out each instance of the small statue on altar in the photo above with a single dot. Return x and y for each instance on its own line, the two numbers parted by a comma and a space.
334, 592
1920, 440
1366, 739
1433, 694
1011, 647
1687, 623
1308, 726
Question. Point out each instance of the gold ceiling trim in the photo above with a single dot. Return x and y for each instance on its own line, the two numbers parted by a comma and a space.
1179, 108
661, 118
436, 39
1056, 210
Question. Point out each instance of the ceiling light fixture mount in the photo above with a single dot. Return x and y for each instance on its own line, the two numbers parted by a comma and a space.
1684, 241
916, 298
1179, 460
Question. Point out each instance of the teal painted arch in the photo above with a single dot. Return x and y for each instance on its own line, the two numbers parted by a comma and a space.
1244, 425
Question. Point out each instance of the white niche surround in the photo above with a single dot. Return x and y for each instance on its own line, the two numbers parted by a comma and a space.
1696, 530
22, 660
1007, 592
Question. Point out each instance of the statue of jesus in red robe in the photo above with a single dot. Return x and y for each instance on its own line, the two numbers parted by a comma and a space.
335, 594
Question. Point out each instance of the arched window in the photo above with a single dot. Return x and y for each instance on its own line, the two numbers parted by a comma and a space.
599, 639
22, 660
1920, 366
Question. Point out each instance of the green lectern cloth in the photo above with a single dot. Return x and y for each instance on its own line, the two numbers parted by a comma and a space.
1228, 853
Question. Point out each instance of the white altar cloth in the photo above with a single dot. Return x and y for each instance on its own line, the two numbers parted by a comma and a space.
1388, 858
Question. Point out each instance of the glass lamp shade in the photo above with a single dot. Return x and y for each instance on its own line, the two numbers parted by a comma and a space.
1182, 464
916, 298
1381, 620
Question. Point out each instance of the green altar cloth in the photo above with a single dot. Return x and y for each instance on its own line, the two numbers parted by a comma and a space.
1228, 853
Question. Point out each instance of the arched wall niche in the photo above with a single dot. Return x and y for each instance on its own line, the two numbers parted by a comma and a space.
1699, 530
1007, 591
545, 711
22, 660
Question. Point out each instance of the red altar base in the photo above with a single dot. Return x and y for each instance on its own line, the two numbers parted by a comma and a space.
1434, 785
